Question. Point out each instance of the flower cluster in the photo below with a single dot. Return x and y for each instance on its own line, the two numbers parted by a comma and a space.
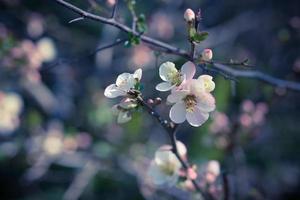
192, 98
128, 86
10, 107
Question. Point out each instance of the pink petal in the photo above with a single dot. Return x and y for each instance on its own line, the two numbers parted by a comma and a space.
196, 118
178, 112
164, 86
189, 70
206, 102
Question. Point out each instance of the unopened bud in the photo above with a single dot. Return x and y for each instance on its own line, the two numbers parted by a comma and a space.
157, 101
111, 3
207, 54
150, 101
189, 15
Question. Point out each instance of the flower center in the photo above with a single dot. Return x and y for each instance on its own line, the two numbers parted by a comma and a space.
175, 78
190, 103
167, 168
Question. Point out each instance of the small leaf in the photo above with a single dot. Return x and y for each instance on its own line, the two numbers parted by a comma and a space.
192, 32
141, 23
199, 37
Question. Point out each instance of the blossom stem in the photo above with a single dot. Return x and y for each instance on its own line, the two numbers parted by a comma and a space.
171, 129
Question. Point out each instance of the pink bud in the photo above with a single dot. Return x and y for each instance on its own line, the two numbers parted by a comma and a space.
189, 15
207, 54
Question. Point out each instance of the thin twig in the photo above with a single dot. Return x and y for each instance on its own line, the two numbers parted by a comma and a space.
76, 20
114, 12
225, 186
75, 60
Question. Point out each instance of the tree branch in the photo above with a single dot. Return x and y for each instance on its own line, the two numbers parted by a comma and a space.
224, 70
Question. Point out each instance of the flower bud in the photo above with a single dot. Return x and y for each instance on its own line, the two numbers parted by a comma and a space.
189, 15
207, 54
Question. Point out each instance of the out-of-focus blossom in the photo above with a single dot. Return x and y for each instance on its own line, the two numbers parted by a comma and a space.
189, 15
46, 48
10, 107
161, 25
248, 106
124, 83
84, 140
206, 54
141, 56
35, 25
111, 2
193, 103
296, 66
252, 115
220, 123
212, 171
164, 168
53, 143
172, 77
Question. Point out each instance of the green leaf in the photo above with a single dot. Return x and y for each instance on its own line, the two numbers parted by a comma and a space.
199, 37
192, 32
141, 23
132, 40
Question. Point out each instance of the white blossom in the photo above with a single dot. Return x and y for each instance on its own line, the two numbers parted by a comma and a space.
164, 168
124, 83
172, 77
193, 102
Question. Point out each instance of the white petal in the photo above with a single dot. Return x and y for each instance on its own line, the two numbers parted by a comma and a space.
178, 112
156, 175
181, 148
189, 70
112, 91
164, 86
206, 102
122, 79
196, 118
209, 84
138, 74
125, 81
166, 70
195, 86
123, 117
176, 96
128, 103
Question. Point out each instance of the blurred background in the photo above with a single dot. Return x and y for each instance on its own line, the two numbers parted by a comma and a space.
59, 139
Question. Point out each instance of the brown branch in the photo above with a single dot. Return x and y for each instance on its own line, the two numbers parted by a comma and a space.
224, 70
255, 74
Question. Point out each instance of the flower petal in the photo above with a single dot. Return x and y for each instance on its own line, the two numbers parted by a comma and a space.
209, 84
112, 91
138, 74
164, 86
178, 112
156, 175
166, 70
197, 117
123, 117
125, 81
189, 70
176, 96
206, 102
